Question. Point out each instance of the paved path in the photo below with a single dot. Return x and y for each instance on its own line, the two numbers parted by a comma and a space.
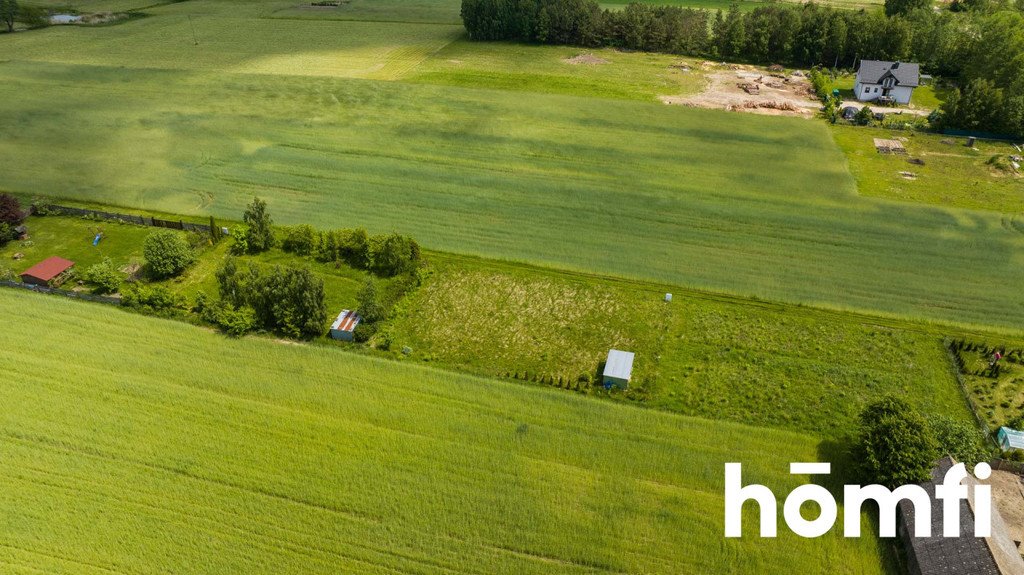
884, 109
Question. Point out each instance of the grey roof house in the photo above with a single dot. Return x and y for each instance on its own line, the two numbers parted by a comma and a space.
886, 82
967, 554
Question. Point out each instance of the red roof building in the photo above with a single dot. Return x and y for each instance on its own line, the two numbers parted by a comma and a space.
47, 272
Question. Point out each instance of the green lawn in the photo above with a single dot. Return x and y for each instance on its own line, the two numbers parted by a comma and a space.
549, 69
952, 174
131, 444
71, 238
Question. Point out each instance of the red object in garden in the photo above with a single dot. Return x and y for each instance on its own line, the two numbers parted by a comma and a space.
46, 271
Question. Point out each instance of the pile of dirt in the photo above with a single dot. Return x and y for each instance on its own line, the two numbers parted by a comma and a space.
588, 59
771, 105
908, 175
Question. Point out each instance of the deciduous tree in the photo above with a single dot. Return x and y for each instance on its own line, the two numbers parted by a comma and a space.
259, 227
896, 446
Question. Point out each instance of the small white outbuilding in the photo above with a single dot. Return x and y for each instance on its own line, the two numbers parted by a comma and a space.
618, 369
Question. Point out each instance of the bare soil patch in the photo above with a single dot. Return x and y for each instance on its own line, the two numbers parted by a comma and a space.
748, 89
585, 59
1008, 494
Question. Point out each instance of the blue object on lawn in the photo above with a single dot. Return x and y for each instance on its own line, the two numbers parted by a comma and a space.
96, 240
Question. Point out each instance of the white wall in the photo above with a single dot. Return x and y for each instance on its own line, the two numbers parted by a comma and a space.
868, 93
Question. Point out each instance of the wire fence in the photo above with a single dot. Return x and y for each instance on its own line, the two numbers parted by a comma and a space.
126, 218
957, 366
62, 292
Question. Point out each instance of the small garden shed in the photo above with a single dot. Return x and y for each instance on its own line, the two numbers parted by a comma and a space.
49, 272
618, 369
344, 327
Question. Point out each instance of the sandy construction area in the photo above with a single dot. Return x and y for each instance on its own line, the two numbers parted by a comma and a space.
772, 93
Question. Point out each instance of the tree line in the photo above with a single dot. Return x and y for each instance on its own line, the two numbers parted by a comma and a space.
980, 42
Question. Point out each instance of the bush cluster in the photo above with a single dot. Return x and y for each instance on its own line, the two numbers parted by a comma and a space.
156, 300
167, 254
387, 254
281, 299
104, 276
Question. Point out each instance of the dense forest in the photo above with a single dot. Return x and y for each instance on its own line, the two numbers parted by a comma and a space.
977, 43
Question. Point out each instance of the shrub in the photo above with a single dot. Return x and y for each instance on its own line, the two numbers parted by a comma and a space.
10, 211
104, 277
370, 307
364, 331
6, 233
152, 299
234, 322
393, 254
959, 439
167, 254
301, 240
864, 116
384, 340
895, 446
240, 241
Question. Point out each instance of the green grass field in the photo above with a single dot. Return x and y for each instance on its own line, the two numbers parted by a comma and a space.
723, 358
232, 37
154, 443
952, 174
726, 201
429, 11
798, 368
549, 69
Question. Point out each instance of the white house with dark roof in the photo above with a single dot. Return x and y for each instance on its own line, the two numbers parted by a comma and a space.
964, 555
886, 82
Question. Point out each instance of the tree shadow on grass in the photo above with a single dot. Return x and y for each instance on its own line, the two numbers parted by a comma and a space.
839, 453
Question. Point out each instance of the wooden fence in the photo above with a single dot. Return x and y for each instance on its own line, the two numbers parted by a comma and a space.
65, 293
127, 218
